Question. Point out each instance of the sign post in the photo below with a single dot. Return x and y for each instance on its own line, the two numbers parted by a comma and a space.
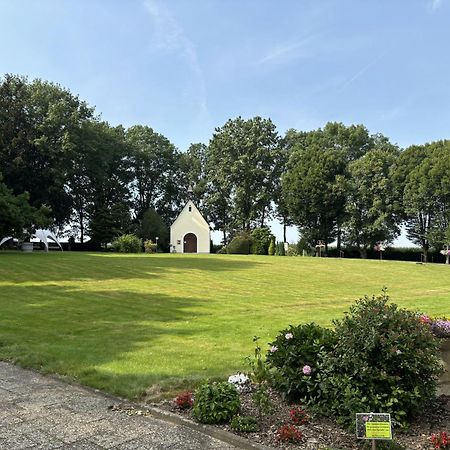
374, 426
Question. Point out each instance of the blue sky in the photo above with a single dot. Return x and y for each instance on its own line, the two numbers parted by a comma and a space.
184, 67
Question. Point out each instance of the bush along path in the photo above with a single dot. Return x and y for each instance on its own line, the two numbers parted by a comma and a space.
306, 390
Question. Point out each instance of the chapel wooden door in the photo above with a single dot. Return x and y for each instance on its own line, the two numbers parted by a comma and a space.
190, 243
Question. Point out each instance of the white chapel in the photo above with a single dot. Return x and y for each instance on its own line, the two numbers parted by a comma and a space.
190, 232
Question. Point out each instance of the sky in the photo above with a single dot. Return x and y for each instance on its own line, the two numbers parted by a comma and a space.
184, 67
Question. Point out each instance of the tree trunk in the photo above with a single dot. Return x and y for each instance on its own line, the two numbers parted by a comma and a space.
263, 217
447, 258
363, 252
284, 231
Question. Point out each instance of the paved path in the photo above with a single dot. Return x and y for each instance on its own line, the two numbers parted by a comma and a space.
39, 412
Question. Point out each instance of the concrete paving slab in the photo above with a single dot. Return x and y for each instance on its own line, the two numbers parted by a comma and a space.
40, 412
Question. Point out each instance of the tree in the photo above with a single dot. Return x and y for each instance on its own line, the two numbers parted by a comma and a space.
193, 166
38, 124
423, 179
312, 191
156, 175
17, 216
314, 186
242, 167
373, 212
153, 227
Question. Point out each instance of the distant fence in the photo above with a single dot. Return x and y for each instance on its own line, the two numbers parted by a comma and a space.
413, 254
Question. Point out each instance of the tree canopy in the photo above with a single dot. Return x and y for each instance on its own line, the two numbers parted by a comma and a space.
62, 165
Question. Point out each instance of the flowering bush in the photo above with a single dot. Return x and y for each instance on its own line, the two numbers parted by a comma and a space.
295, 354
441, 440
240, 381
289, 433
441, 328
384, 360
298, 415
184, 400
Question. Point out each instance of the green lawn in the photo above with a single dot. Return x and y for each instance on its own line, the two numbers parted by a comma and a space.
123, 323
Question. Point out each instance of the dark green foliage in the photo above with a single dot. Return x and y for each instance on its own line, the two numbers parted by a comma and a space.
385, 359
245, 424
216, 402
109, 223
289, 355
379, 358
261, 238
271, 250
303, 246
16, 214
240, 244
243, 168
152, 226
40, 125
155, 165
279, 249
127, 243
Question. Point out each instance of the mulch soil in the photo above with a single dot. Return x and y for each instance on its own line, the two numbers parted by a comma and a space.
322, 433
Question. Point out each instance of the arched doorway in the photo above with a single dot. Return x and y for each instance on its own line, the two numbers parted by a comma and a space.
190, 243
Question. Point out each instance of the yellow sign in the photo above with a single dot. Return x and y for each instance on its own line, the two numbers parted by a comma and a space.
378, 430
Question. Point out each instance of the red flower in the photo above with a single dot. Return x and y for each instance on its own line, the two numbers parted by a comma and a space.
441, 440
184, 400
289, 433
298, 415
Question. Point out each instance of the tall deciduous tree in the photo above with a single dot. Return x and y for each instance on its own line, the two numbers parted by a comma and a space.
193, 166
243, 166
38, 123
423, 179
312, 191
314, 186
373, 211
156, 174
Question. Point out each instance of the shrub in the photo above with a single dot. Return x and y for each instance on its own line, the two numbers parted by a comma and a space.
127, 243
246, 424
261, 238
184, 400
289, 433
292, 250
240, 244
280, 251
296, 354
303, 247
150, 247
385, 359
216, 402
271, 250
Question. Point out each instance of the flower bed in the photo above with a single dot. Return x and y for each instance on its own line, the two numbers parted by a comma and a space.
305, 391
